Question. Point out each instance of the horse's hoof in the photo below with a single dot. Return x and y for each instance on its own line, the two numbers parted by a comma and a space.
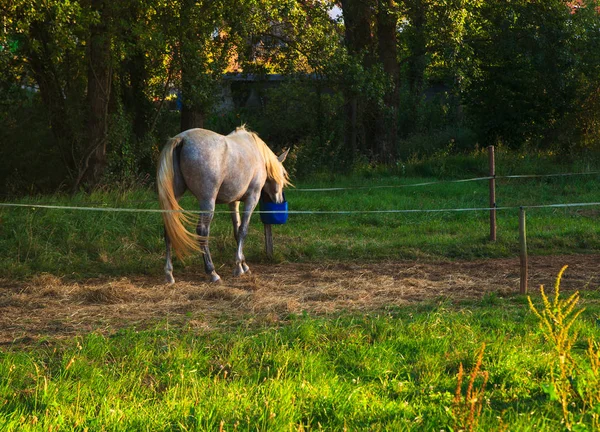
170, 279
215, 278
240, 271
245, 267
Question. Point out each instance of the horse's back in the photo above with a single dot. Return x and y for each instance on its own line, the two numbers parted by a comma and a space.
206, 149
202, 141
216, 166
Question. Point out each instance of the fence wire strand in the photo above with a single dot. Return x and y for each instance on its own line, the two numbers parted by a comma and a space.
300, 212
496, 177
516, 176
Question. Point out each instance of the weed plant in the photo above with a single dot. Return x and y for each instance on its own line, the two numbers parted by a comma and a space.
467, 408
575, 381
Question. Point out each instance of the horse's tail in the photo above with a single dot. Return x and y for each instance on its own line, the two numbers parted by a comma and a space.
184, 242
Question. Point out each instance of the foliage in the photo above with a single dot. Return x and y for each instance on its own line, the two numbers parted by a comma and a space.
572, 381
525, 69
303, 116
450, 73
27, 145
48, 59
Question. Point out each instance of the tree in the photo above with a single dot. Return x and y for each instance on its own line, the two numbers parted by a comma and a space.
206, 36
99, 89
85, 81
370, 37
523, 75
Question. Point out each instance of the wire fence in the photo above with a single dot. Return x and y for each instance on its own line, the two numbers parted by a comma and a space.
492, 208
345, 212
516, 176
300, 212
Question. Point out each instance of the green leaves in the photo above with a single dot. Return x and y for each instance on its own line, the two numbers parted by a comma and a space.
520, 72
523, 76
550, 390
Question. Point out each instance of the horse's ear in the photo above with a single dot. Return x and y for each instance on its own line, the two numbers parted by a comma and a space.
283, 155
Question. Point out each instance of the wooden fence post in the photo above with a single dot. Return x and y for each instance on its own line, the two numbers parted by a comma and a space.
523, 254
268, 241
492, 164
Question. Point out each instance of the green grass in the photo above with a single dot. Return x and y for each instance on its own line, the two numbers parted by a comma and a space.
79, 244
395, 370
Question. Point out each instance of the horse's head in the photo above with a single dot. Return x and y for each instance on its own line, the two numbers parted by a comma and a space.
274, 185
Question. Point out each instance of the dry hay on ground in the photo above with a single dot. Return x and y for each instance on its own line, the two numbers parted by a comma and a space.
47, 306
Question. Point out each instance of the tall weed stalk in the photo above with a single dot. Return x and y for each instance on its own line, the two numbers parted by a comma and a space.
574, 381
467, 408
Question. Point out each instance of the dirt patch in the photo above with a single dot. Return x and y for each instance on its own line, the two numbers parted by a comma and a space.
47, 306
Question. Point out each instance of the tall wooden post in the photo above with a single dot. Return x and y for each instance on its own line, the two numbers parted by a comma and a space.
523, 253
268, 241
492, 164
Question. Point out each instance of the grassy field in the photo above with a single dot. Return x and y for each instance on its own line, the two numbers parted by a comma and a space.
394, 370
79, 244
398, 368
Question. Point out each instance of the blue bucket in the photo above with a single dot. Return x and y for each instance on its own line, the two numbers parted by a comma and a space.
265, 204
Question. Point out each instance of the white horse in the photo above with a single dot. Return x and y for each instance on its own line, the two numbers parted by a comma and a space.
217, 169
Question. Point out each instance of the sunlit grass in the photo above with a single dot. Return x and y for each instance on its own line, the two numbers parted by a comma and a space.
393, 370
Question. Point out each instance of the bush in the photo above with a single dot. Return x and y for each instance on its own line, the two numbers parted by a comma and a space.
449, 140
30, 159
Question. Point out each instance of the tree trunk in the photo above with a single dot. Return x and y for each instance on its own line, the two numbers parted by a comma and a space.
51, 92
192, 110
418, 48
93, 162
358, 16
387, 127
134, 79
133, 84
387, 22
191, 118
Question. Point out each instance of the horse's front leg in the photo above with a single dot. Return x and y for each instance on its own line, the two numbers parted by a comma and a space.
203, 230
240, 260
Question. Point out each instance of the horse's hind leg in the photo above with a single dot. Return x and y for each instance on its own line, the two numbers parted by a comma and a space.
234, 208
203, 230
178, 189
168, 264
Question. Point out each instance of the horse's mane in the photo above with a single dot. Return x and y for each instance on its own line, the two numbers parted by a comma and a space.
272, 164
